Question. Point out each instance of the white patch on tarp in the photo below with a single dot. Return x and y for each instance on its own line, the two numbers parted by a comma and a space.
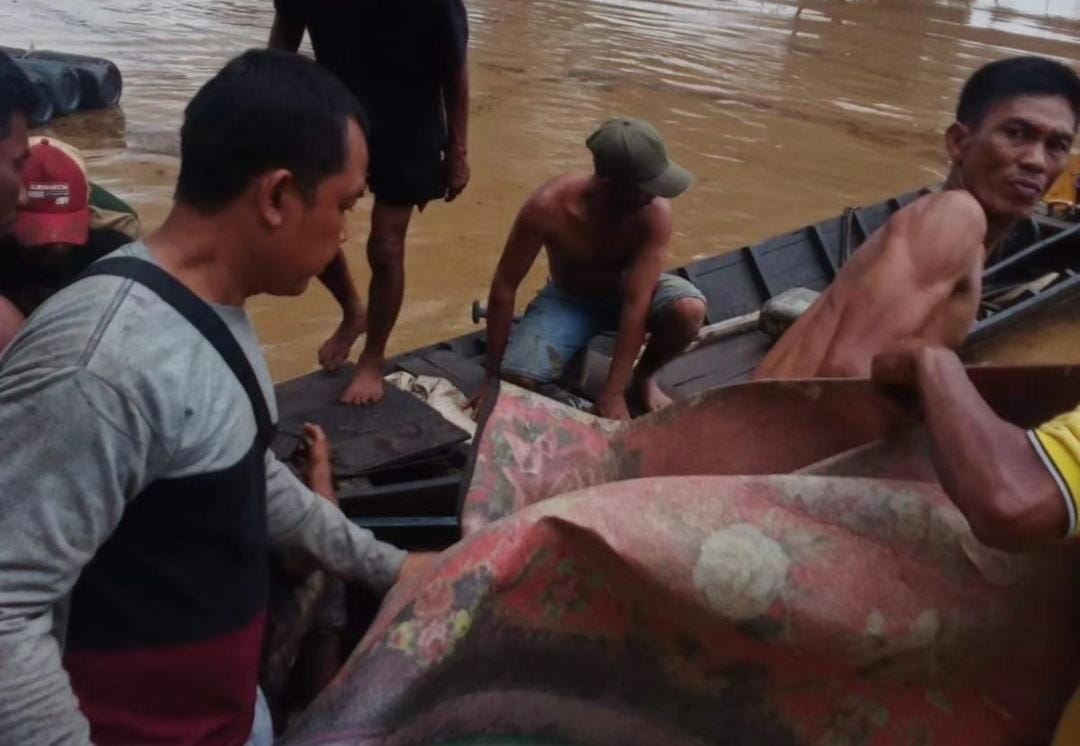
741, 571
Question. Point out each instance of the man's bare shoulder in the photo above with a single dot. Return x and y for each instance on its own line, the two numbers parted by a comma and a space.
656, 218
549, 200
558, 190
658, 210
944, 232
955, 213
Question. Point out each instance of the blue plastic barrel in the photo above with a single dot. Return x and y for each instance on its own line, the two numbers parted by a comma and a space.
43, 107
100, 79
62, 82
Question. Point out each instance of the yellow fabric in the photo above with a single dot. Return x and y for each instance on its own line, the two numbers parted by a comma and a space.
1063, 191
1068, 732
1060, 440
1060, 445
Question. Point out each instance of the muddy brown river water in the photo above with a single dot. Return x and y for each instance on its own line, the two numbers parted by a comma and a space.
786, 111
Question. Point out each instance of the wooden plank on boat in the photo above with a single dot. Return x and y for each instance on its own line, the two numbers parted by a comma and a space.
792, 261
729, 285
400, 428
709, 366
416, 497
825, 252
414, 533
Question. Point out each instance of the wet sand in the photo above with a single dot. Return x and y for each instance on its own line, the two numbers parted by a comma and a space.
785, 111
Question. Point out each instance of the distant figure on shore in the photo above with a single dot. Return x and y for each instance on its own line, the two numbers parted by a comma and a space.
65, 224
406, 62
606, 235
920, 275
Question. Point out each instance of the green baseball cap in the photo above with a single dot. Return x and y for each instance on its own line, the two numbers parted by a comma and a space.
631, 150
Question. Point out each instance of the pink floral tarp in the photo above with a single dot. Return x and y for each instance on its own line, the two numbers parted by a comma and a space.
816, 608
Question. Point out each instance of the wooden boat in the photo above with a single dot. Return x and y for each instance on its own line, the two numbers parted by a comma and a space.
412, 499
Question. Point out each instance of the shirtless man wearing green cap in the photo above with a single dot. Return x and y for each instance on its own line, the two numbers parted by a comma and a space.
605, 234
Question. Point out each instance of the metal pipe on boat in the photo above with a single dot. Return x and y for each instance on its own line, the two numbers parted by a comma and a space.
62, 82
721, 330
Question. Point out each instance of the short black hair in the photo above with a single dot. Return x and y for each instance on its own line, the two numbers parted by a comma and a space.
17, 94
1016, 76
265, 109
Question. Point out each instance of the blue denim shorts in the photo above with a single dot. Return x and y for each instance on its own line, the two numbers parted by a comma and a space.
557, 326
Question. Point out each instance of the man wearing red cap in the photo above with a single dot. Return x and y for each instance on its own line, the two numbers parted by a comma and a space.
57, 209
606, 234
65, 224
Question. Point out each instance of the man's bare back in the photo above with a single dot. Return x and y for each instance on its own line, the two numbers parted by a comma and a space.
918, 276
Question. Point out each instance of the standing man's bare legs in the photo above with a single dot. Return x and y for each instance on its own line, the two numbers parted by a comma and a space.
386, 254
338, 280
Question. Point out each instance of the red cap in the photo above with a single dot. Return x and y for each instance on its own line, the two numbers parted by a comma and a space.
58, 192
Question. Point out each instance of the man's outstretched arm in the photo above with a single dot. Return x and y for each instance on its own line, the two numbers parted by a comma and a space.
298, 517
638, 289
990, 468
523, 244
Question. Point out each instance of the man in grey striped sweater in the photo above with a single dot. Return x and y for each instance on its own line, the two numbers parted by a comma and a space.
139, 497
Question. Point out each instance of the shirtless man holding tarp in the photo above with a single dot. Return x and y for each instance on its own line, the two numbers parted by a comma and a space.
919, 275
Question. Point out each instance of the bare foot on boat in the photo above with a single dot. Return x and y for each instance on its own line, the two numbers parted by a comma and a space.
335, 351
649, 394
367, 384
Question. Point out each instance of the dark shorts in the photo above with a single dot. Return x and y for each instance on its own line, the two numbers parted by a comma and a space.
557, 326
406, 155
